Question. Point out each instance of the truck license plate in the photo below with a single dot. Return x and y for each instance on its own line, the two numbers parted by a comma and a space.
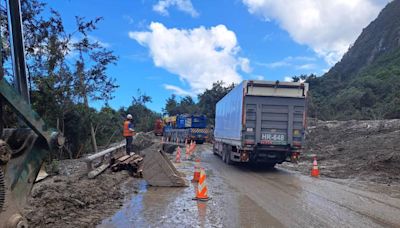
272, 137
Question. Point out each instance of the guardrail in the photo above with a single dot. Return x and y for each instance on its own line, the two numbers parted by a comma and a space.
97, 163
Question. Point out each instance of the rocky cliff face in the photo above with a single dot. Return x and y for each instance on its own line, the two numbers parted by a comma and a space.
364, 84
380, 37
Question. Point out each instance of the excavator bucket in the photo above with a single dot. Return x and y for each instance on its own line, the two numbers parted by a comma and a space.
159, 171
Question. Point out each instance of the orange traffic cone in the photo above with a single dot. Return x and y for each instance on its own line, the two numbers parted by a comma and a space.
202, 192
178, 155
196, 174
187, 152
315, 170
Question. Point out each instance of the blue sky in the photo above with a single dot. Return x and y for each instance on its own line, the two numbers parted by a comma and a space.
182, 46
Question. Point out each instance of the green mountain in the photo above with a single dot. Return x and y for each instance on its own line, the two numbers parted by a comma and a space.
365, 84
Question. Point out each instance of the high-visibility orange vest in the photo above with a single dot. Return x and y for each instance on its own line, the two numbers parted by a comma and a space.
127, 132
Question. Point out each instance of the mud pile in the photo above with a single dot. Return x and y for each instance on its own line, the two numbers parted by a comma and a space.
70, 199
366, 150
142, 141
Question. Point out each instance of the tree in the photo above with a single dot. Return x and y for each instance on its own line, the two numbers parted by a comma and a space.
91, 79
209, 98
60, 86
171, 106
143, 117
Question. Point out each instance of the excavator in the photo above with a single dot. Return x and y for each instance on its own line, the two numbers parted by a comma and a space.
23, 149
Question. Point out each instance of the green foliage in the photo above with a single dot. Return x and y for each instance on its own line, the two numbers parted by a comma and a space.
66, 70
185, 106
210, 97
373, 93
365, 83
143, 117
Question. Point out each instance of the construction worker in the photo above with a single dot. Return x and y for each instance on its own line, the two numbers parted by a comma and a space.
129, 132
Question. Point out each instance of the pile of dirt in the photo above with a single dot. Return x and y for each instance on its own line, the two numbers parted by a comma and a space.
366, 150
169, 148
142, 141
70, 199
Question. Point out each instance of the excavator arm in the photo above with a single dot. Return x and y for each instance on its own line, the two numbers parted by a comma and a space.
22, 149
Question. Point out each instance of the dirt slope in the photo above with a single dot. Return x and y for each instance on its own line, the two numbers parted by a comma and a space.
70, 199
366, 150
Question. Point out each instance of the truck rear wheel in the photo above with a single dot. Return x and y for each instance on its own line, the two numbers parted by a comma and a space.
214, 150
227, 157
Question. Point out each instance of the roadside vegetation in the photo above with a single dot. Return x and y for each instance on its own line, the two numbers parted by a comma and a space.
68, 70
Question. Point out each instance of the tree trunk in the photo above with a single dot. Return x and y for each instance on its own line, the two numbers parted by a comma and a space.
86, 102
93, 138
92, 133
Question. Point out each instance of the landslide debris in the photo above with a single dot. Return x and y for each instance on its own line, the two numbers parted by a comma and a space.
142, 141
366, 150
70, 199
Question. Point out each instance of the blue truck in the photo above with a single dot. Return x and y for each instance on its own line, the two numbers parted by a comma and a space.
186, 127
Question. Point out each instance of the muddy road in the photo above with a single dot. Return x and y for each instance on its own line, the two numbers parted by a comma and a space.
252, 197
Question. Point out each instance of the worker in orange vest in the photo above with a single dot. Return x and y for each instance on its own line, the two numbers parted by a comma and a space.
129, 132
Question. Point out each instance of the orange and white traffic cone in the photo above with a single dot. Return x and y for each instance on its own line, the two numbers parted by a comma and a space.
202, 192
196, 174
315, 170
187, 152
178, 155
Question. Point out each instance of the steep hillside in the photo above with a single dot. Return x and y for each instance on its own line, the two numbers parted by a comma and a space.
365, 83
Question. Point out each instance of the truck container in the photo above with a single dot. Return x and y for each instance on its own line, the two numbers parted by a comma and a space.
261, 121
191, 121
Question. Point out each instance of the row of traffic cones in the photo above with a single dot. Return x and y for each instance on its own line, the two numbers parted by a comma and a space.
176, 140
199, 175
190, 148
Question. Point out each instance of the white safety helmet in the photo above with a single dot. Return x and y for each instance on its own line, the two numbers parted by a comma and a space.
129, 116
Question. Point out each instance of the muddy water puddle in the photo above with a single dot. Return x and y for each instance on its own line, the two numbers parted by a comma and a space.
174, 207
167, 207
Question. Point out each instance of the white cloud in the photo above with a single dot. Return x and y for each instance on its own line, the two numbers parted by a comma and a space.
277, 64
129, 19
100, 42
296, 62
308, 66
245, 65
178, 91
182, 5
258, 77
288, 79
199, 56
328, 27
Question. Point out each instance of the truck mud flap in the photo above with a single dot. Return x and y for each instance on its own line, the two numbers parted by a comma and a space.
159, 171
270, 155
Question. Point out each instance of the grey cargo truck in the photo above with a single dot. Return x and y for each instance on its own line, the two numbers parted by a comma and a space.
261, 122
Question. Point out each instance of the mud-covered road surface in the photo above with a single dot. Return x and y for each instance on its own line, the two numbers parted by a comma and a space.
243, 196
